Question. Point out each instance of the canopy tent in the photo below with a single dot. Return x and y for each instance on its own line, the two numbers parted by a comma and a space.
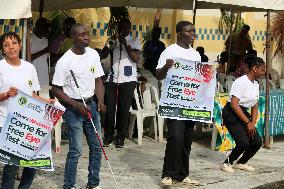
242, 5
15, 9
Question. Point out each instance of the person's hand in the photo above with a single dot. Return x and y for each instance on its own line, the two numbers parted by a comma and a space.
169, 64
122, 40
251, 129
82, 109
101, 107
13, 91
50, 101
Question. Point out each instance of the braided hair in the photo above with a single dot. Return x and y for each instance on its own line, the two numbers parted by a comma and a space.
252, 60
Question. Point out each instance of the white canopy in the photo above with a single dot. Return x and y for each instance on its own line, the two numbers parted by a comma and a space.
243, 5
15, 9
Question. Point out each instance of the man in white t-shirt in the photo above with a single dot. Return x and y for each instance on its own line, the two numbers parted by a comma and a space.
85, 63
121, 83
180, 132
39, 50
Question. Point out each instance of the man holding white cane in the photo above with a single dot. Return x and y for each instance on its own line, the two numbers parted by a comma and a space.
86, 66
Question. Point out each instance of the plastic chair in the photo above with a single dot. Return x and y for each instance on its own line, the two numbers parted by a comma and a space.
274, 76
44, 92
141, 113
262, 84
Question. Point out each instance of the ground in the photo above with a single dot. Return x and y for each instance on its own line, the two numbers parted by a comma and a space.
140, 167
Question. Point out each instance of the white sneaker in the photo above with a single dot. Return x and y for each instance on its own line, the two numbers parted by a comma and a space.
167, 181
227, 168
244, 167
189, 181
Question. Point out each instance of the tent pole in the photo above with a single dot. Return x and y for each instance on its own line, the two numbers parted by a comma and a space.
230, 43
41, 5
24, 40
194, 15
268, 63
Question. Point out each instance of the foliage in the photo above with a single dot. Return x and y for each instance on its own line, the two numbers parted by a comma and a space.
57, 18
116, 14
277, 30
229, 18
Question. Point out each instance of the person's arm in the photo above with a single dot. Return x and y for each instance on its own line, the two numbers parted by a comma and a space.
161, 73
134, 54
40, 53
45, 100
100, 93
5, 96
64, 98
103, 52
238, 111
254, 112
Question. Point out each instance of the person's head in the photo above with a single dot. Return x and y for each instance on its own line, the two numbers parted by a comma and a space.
80, 35
200, 50
67, 24
255, 64
10, 45
42, 27
185, 32
224, 57
245, 29
254, 52
124, 27
156, 33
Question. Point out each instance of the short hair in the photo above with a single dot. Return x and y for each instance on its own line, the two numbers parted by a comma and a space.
74, 27
157, 29
181, 25
246, 27
69, 21
42, 22
8, 35
252, 60
200, 50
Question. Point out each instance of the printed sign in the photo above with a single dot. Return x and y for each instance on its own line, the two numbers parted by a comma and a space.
26, 135
188, 91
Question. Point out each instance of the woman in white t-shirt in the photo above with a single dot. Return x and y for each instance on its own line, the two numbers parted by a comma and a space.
244, 95
15, 74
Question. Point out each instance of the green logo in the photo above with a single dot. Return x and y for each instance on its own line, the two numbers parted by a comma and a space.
22, 101
93, 69
30, 83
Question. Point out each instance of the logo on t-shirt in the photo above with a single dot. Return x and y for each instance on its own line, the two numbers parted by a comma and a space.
93, 69
22, 101
30, 83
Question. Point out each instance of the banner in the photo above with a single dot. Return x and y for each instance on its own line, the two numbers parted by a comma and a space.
26, 135
188, 91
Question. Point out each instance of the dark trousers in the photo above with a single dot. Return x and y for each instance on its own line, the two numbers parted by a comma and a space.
245, 146
179, 140
122, 95
9, 174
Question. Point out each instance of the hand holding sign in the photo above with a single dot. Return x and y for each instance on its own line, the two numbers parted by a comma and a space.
13, 91
169, 64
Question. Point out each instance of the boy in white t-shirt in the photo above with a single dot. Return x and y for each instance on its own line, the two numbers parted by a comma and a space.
86, 65
121, 83
180, 132
15, 74
244, 95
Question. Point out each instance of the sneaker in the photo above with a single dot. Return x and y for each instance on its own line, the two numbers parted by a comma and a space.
189, 181
91, 187
167, 181
227, 168
244, 167
119, 143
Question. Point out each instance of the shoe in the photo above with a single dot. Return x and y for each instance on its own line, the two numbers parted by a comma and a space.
92, 187
189, 181
107, 143
119, 143
167, 181
227, 168
244, 167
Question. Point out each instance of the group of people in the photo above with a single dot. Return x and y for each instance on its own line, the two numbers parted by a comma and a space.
114, 96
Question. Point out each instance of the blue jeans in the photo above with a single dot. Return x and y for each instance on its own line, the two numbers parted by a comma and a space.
9, 174
77, 125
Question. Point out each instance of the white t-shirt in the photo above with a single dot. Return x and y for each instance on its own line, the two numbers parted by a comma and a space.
41, 63
86, 67
23, 77
127, 70
246, 91
175, 51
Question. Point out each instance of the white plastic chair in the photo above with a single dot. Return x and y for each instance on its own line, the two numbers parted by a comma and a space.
221, 78
44, 92
262, 84
274, 76
141, 113
229, 82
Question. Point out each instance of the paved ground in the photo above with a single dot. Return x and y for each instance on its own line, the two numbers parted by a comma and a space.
139, 167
